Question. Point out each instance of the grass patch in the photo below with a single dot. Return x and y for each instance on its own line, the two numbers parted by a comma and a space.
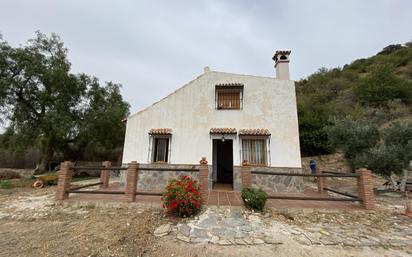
6, 184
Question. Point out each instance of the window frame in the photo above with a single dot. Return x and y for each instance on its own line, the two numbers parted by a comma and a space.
154, 141
229, 89
266, 151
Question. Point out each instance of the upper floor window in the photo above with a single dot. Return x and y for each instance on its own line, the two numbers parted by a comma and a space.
229, 96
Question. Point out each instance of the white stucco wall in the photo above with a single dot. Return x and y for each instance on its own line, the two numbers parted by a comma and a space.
190, 111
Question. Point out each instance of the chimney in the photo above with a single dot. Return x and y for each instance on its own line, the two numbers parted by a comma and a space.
281, 59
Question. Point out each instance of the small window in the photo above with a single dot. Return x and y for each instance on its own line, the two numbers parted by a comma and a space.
160, 149
254, 151
229, 97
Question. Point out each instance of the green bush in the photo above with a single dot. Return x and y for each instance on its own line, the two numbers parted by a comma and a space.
254, 199
354, 138
5, 184
381, 86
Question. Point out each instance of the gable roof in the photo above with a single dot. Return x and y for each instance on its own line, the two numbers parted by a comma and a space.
193, 80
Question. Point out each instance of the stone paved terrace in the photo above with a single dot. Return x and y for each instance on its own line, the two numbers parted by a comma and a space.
218, 198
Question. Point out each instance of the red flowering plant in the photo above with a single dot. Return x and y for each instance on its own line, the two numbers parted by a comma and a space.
182, 196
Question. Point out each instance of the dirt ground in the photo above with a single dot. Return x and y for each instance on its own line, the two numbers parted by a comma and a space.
33, 224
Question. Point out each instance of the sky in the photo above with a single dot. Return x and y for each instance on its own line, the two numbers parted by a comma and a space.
154, 47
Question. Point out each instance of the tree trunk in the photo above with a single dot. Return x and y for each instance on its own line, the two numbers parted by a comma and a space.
45, 160
405, 175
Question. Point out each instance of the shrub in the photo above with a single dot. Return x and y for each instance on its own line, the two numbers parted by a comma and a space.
354, 138
9, 174
182, 197
381, 86
254, 199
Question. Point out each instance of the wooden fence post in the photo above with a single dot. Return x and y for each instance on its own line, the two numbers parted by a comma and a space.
105, 174
65, 177
204, 179
320, 182
131, 181
246, 175
365, 188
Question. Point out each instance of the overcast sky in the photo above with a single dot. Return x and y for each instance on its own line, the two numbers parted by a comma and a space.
154, 47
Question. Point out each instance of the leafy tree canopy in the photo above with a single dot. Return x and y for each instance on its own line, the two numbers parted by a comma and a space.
48, 106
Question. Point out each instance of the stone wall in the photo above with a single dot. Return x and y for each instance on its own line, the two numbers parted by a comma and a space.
276, 183
157, 180
237, 178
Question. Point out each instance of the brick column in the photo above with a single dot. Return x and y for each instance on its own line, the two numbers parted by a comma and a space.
131, 181
365, 188
204, 179
321, 182
246, 175
105, 174
65, 177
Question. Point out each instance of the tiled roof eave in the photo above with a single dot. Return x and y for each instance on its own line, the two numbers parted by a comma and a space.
160, 131
254, 132
223, 131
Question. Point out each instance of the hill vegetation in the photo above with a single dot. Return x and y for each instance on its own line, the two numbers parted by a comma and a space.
362, 109
378, 89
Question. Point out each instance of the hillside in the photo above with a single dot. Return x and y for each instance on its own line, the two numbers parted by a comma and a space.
378, 88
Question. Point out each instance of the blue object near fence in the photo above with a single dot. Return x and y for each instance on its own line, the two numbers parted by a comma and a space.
312, 165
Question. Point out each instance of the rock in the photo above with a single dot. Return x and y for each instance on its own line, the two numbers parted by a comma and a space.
214, 239
184, 229
239, 241
183, 238
248, 240
199, 233
224, 242
232, 222
254, 218
272, 240
223, 232
324, 232
163, 230
245, 228
302, 239
295, 232
208, 222
258, 241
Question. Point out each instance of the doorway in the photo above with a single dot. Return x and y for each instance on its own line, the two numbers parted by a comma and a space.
223, 164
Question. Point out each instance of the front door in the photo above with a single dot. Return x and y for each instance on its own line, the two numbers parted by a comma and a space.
223, 161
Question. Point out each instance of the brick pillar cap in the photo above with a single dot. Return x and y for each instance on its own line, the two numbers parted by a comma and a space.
203, 160
107, 163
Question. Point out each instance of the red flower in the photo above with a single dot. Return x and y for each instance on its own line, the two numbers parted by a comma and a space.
182, 196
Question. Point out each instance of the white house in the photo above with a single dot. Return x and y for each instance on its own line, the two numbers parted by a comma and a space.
226, 118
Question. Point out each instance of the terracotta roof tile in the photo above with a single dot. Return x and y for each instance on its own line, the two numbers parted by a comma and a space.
223, 131
254, 132
160, 131
277, 53
229, 85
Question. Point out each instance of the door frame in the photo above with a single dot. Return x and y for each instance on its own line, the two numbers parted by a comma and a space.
214, 153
